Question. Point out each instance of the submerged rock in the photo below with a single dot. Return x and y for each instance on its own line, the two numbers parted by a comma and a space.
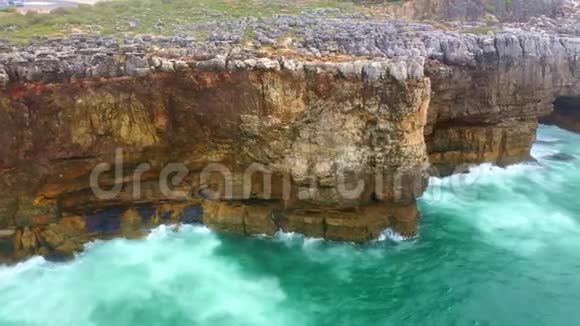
562, 157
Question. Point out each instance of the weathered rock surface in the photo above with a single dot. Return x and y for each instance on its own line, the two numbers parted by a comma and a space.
316, 125
313, 147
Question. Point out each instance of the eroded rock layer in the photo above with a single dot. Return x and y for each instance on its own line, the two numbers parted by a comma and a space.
332, 150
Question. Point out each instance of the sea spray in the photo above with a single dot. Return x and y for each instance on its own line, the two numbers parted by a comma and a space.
171, 277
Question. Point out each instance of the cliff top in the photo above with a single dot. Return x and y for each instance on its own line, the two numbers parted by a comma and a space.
187, 18
267, 42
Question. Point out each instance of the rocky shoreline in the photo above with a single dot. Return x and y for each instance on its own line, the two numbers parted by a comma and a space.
285, 122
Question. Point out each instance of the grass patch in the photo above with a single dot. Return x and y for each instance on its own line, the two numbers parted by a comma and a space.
481, 30
149, 16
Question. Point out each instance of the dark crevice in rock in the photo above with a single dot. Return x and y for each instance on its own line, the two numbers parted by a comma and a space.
73, 158
566, 113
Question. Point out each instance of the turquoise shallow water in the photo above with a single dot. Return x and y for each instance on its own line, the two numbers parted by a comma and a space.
496, 247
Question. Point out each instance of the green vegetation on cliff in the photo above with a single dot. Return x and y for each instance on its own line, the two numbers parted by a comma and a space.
480, 30
147, 16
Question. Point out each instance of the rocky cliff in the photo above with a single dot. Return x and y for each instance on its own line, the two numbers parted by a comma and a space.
291, 126
329, 131
476, 10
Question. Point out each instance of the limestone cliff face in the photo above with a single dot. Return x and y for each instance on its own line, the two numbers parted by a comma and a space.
488, 96
306, 130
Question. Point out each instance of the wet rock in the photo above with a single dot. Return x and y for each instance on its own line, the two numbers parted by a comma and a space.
259, 220
505, 143
192, 215
25, 242
223, 216
105, 220
59, 257
65, 237
130, 223
146, 212
561, 157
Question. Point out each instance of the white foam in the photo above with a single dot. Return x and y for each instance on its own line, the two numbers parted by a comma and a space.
8, 272
90, 245
296, 239
512, 207
282, 235
183, 272
539, 151
547, 139
392, 235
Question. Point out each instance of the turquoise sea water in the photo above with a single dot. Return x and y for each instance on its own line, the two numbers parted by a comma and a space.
496, 247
